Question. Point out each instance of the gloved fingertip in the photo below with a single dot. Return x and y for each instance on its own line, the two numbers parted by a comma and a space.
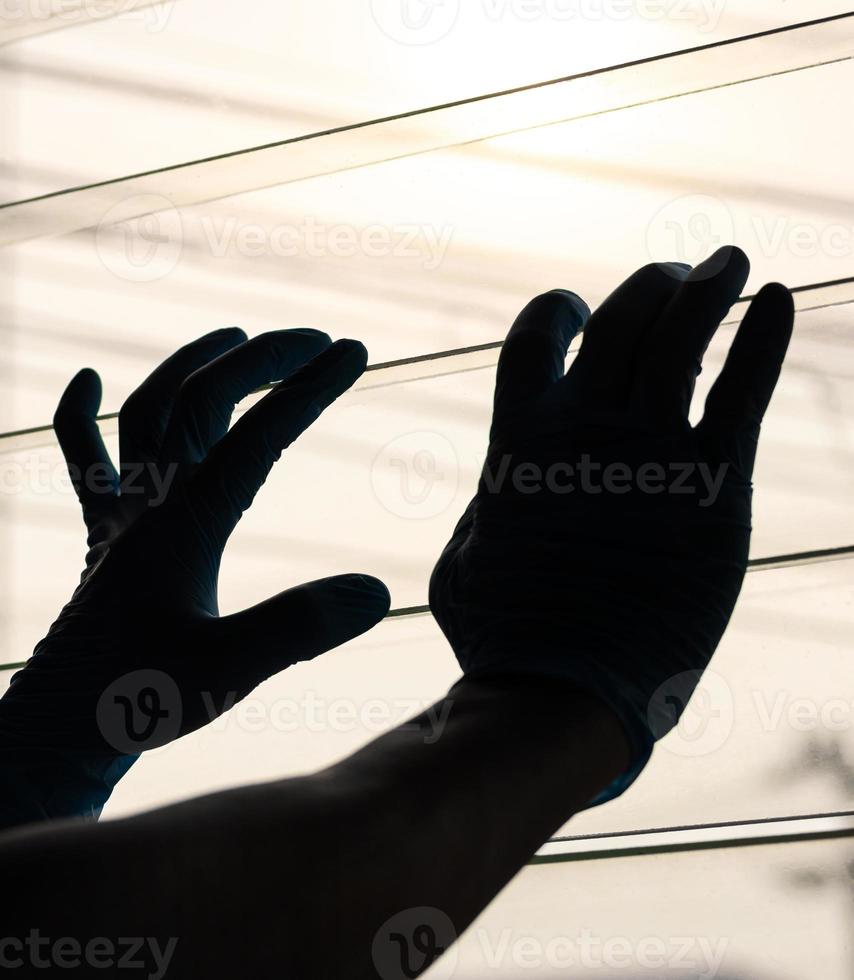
221, 341
288, 350
82, 395
368, 593
341, 364
333, 611
736, 255
772, 314
580, 309
349, 348
231, 336
320, 337
88, 376
729, 259
675, 270
779, 293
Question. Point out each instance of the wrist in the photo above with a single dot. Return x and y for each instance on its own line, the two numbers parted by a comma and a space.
572, 713
38, 783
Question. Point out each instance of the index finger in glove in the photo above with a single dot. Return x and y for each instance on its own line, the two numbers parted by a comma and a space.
75, 422
740, 397
236, 468
534, 354
672, 358
145, 414
602, 373
206, 399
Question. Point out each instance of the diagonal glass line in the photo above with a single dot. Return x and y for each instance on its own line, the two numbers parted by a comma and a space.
592, 73
599, 91
754, 833
800, 558
810, 297
754, 565
814, 557
717, 825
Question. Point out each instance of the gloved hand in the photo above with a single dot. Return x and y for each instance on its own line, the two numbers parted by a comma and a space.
140, 656
609, 538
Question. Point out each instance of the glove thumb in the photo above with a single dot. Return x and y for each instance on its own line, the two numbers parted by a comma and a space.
301, 623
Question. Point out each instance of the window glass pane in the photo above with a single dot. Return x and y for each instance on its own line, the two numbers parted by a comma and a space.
432, 252
441, 233
777, 912
196, 80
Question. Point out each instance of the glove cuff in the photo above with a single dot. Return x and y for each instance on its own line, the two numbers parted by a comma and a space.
38, 785
603, 686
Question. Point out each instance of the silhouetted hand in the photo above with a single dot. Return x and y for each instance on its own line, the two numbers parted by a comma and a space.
609, 538
140, 656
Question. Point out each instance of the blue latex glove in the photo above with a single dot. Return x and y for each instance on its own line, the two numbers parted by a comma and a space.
624, 590
140, 655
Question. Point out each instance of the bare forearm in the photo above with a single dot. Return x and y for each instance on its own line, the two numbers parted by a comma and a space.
299, 876
463, 807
